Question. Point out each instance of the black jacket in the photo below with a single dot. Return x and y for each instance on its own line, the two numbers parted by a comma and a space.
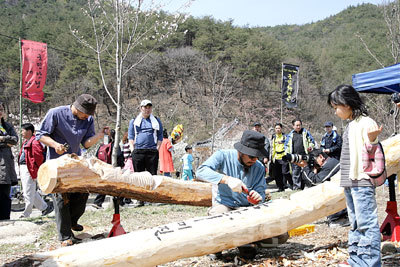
7, 165
333, 142
330, 168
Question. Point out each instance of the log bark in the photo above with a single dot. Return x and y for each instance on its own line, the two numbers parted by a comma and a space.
71, 173
205, 235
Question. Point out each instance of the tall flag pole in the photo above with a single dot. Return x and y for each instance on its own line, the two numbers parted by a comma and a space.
290, 84
20, 95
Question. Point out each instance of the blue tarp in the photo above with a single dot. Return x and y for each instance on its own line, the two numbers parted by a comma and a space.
381, 81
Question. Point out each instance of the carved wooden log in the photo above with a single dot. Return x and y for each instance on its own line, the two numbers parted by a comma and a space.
71, 173
204, 235
391, 147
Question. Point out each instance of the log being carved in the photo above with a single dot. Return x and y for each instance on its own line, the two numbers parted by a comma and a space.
204, 235
71, 173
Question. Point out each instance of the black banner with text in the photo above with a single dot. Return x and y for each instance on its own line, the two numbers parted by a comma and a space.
290, 84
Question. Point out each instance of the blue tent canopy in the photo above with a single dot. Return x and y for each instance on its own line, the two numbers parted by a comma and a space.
381, 81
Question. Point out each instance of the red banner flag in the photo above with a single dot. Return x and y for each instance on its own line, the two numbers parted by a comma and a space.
34, 70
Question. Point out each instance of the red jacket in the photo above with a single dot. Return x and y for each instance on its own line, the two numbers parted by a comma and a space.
34, 156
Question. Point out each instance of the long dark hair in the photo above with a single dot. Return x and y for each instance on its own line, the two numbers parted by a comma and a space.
346, 95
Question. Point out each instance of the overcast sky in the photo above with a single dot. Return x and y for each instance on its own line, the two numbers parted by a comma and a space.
267, 12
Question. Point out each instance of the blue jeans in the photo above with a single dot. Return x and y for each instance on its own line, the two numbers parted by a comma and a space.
364, 235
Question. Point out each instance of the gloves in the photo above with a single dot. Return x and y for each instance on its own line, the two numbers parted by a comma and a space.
254, 197
235, 184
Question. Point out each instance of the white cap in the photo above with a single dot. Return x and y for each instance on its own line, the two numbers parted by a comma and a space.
145, 103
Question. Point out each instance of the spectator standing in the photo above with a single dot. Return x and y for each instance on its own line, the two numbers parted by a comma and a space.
281, 170
126, 151
298, 141
331, 142
104, 153
145, 135
187, 164
128, 165
8, 176
72, 125
364, 234
31, 156
165, 154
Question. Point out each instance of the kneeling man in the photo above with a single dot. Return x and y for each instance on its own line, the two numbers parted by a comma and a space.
236, 172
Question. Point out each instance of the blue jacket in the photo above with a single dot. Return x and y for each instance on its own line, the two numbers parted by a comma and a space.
225, 162
63, 127
145, 136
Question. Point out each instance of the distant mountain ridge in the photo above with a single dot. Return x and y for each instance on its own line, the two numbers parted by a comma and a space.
175, 76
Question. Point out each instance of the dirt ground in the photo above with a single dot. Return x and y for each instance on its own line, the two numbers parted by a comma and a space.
326, 246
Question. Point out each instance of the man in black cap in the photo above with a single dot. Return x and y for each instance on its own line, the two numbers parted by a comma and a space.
236, 171
331, 142
63, 130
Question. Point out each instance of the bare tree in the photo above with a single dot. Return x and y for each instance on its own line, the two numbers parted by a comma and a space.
119, 28
391, 14
222, 86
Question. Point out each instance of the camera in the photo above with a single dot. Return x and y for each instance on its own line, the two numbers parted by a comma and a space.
297, 158
395, 97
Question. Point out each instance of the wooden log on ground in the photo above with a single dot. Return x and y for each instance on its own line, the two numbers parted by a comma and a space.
71, 173
205, 235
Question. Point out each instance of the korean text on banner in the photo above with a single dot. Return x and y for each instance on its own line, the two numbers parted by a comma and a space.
34, 70
290, 84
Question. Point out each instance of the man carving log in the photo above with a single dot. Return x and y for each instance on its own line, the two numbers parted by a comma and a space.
240, 179
63, 130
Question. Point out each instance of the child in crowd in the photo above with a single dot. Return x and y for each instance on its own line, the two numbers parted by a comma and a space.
364, 235
187, 164
165, 155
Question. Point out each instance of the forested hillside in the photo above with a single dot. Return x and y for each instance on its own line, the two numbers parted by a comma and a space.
179, 76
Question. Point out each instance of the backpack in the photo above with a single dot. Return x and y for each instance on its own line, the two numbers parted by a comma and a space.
104, 153
373, 159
